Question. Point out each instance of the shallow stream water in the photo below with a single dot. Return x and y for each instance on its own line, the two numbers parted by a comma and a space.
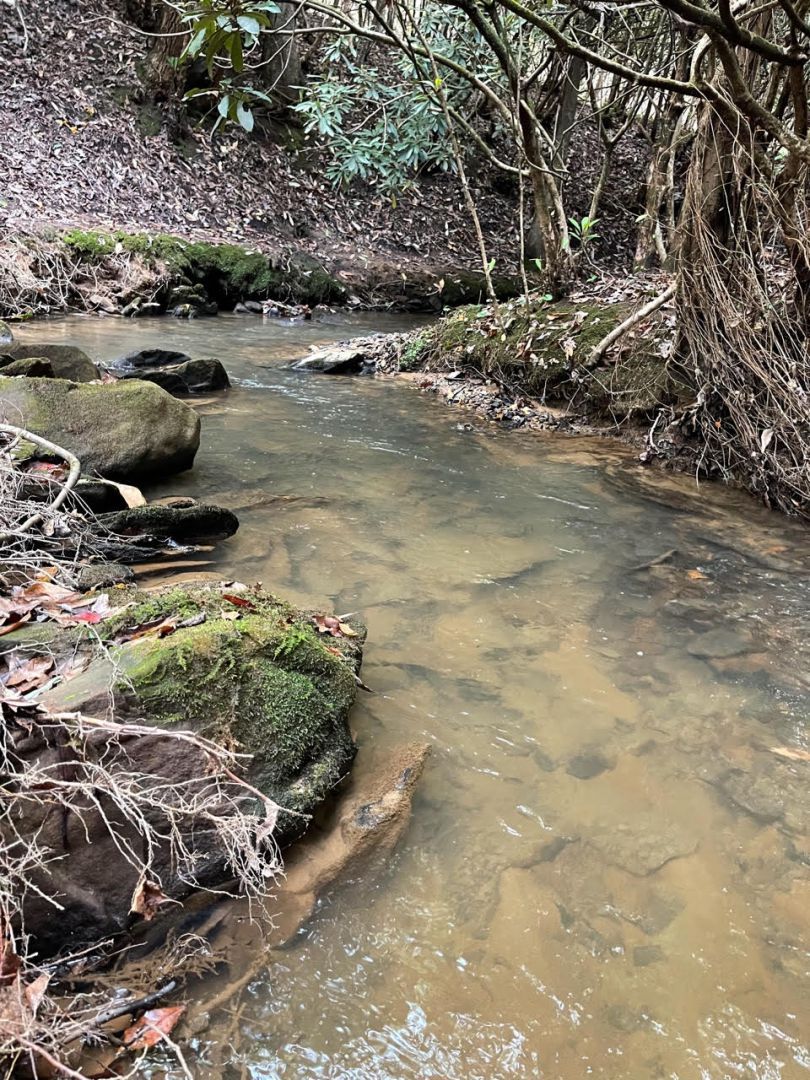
608, 868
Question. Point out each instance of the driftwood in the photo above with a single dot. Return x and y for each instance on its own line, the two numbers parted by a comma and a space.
22, 434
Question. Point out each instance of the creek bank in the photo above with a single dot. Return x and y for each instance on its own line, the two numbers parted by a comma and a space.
139, 275
352, 837
197, 727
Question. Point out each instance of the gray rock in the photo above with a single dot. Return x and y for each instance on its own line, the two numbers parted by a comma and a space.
642, 847
254, 307
67, 361
720, 644
103, 576
6, 335
32, 366
586, 766
196, 522
333, 361
148, 358
103, 303
191, 377
644, 955
127, 429
761, 795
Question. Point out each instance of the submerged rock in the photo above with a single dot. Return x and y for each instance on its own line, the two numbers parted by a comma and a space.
368, 823
118, 430
255, 676
67, 361
190, 377
720, 644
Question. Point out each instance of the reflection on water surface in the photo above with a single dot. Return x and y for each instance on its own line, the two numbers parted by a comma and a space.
607, 872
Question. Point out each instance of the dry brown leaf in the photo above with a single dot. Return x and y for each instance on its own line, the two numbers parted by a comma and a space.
696, 575
131, 495
147, 898
152, 1026
35, 991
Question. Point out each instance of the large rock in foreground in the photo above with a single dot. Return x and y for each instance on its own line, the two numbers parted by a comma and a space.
118, 430
245, 670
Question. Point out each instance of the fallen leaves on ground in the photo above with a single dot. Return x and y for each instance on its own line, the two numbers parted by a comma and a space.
45, 599
150, 1029
239, 601
160, 627
27, 673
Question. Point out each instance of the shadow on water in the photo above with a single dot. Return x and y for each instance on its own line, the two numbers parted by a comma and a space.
608, 869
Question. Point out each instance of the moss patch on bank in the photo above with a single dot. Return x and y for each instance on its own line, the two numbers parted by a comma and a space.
543, 349
228, 272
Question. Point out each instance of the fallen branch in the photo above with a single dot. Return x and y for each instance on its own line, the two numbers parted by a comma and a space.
67, 487
619, 331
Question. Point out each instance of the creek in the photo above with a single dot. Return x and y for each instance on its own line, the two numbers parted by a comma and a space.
608, 868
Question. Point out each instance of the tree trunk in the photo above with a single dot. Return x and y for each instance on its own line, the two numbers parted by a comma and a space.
281, 73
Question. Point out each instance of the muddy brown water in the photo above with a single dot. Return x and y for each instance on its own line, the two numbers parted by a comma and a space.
608, 869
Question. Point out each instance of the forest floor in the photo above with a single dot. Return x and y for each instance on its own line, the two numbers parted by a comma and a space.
84, 147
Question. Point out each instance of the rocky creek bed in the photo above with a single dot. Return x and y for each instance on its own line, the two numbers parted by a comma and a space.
610, 851
159, 741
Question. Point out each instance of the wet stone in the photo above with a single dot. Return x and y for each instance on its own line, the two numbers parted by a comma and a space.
623, 1018
720, 644
644, 955
643, 847
760, 796
588, 765
653, 913
543, 760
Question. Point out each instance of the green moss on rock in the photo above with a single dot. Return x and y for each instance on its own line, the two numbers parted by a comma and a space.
534, 348
119, 430
227, 272
264, 684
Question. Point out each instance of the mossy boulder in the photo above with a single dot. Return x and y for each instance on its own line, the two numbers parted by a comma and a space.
244, 669
31, 366
67, 361
129, 429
